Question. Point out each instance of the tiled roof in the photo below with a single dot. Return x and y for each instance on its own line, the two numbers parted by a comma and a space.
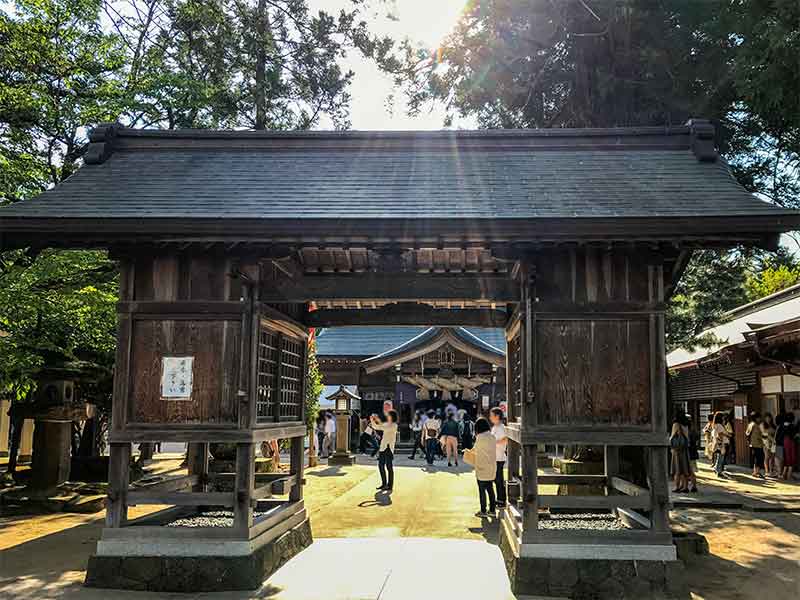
371, 341
534, 174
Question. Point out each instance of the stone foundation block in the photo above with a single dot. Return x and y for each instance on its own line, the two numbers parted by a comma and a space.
187, 574
595, 579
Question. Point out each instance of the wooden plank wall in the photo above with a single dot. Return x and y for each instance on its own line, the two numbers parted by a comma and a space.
594, 372
214, 342
594, 337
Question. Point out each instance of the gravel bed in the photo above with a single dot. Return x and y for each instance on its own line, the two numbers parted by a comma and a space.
590, 521
215, 518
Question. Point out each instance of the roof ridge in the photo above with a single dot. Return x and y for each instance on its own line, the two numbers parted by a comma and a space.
696, 135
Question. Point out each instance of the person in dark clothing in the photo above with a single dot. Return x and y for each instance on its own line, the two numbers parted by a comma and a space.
467, 432
368, 442
416, 432
450, 439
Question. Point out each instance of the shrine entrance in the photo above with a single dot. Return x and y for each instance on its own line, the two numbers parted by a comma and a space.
233, 245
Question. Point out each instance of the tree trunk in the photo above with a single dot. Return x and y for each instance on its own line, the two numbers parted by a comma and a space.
261, 67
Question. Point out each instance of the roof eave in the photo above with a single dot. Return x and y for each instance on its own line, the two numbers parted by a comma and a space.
107, 232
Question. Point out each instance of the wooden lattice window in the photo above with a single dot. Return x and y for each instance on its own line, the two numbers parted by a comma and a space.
267, 364
291, 379
515, 374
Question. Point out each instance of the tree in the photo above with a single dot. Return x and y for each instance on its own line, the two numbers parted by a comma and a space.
259, 64
57, 72
605, 63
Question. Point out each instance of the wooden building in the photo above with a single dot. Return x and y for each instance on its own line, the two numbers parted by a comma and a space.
416, 368
752, 366
571, 240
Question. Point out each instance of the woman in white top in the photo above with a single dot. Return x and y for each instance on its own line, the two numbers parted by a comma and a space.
386, 450
483, 457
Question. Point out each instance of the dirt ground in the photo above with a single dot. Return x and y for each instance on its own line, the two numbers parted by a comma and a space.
753, 555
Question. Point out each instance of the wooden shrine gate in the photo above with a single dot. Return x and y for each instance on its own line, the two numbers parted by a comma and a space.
571, 240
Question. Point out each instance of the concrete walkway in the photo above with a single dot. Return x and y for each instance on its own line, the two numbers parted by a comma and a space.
368, 544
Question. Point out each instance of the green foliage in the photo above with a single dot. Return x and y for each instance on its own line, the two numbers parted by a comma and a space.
775, 274
314, 387
605, 63
712, 284
56, 308
57, 74
262, 64
66, 65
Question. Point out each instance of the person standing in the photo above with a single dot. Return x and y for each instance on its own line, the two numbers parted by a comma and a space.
789, 445
430, 434
708, 434
467, 432
694, 452
416, 435
330, 433
679, 445
755, 439
720, 443
386, 450
501, 446
320, 431
483, 456
450, 439
768, 436
368, 444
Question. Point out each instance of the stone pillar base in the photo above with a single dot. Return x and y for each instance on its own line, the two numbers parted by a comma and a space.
342, 459
190, 574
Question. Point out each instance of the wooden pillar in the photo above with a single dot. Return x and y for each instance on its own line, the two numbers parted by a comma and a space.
245, 481
296, 467
530, 417
658, 470
197, 462
118, 480
659, 490
5, 426
514, 492
530, 493
611, 462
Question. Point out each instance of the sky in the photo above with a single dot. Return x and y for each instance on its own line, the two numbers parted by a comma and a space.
424, 21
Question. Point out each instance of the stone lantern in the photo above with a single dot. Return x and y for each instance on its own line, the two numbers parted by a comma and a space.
344, 401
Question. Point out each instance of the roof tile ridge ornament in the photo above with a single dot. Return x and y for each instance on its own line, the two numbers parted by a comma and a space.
101, 143
703, 134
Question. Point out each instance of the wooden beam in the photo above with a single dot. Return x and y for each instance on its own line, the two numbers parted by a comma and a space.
399, 287
219, 309
263, 432
182, 498
626, 487
170, 484
551, 479
595, 502
406, 314
594, 437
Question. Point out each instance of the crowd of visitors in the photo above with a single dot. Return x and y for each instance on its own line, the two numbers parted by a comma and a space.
772, 445
438, 435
